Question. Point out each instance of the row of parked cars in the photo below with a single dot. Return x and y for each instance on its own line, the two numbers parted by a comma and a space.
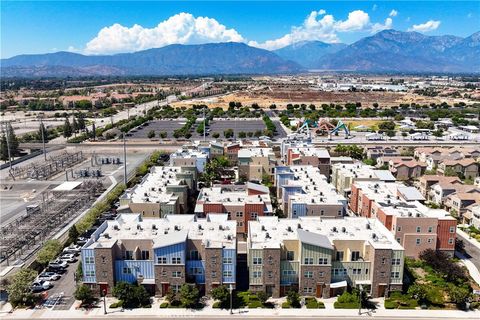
55, 269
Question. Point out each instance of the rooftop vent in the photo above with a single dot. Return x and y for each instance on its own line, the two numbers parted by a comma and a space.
289, 229
368, 226
116, 227
334, 229
267, 236
344, 229
263, 228
374, 236
299, 226
154, 227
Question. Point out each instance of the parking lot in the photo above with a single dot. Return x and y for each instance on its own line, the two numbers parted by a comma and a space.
217, 125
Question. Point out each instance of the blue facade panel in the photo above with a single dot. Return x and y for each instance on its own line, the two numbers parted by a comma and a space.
129, 270
170, 252
196, 268
88, 266
299, 210
229, 269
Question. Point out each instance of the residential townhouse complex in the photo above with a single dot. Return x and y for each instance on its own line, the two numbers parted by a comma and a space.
404, 168
344, 175
241, 203
320, 257
165, 190
427, 181
161, 253
466, 168
415, 226
304, 191
254, 163
316, 157
188, 157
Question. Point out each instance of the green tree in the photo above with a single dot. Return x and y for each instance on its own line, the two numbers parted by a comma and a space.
151, 134
189, 295
438, 133
386, 125
221, 294
73, 234
293, 299
19, 288
132, 295
163, 134
216, 135
228, 133
67, 129
262, 297
49, 251
449, 172
84, 294
3, 148
458, 295
242, 134
12, 143
41, 129
75, 125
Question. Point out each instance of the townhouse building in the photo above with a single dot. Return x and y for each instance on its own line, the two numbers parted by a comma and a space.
161, 253
241, 203
425, 182
344, 175
316, 157
439, 192
304, 191
466, 168
406, 169
321, 257
457, 203
379, 151
255, 163
190, 157
472, 215
415, 226
164, 190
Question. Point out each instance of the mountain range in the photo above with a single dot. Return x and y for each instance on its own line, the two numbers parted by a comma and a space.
386, 51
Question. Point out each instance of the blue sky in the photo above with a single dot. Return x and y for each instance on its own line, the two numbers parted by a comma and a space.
108, 27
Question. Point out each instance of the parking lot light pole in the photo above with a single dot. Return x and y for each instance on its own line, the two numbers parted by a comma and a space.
360, 288
230, 289
104, 301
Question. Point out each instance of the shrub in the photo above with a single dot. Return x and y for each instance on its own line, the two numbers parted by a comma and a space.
312, 303
286, 305
217, 305
117, 304
253, 304
164, 305
347, 301
293, 299
85, 294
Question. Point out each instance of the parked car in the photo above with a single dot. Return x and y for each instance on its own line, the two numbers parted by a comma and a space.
48, 276
40, 285
56, 269
69, 258
71, 250
58, 264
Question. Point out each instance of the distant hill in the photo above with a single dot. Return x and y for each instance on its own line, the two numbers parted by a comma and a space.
386, 51
396, 51
307, 53
212, 58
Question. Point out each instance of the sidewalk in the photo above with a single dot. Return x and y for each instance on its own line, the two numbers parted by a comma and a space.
472, 269
468, 238
209, 312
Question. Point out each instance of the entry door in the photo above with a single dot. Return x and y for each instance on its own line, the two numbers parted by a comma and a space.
103, 289
165, 287
318, 293
381, 290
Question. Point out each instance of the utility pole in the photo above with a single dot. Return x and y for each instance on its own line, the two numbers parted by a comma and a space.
43, 139
204, 125
8, 145
124, 160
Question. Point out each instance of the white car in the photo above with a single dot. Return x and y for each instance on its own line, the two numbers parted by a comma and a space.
40, 285
69, 258
48, 276
57, 263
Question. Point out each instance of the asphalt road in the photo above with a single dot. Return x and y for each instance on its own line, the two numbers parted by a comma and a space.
473, 253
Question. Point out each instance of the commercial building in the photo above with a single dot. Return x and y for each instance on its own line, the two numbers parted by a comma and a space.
304, 191
161, 254
241, 203
415, 226
321, 257
164, 190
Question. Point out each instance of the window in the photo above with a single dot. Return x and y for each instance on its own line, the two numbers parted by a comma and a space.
294, 212
430, 229
308, 290
164, 273
253, 215
229, 215
257, 260
339, 272
399, 228
356, 271
417, 241
127, 270
384, 260
290, 255
355, 255
339, 256
321, 274
128, 255
398, 240
366, 271
419, 229
308, 261
239, 223
395, 275
270, 274
162, 260
308, 274
339, 212
289, 272
322, 261
214, 274
239, 214
176, 274
227, 260
452, 229
430, 240
322, 212
145, 254
196, 271
396, 262
90, 273
176, 260
176, 288
214, 260
450, 241
194, 255
227, 273
89, 260
382, 274
257, 274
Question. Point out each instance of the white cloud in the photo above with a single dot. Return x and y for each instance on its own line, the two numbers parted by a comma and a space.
181, 28
393, 13
376, 27
321, 26
428, 26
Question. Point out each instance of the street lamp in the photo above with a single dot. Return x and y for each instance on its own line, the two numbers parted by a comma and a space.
104, 292
230, 289
360, 288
